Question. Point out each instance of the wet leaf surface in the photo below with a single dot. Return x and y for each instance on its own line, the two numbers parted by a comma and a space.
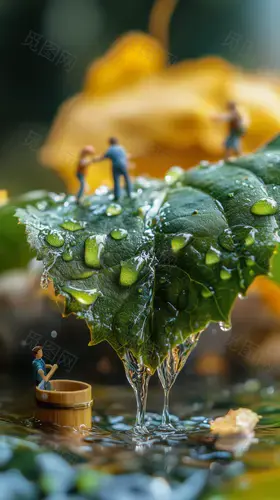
187, 253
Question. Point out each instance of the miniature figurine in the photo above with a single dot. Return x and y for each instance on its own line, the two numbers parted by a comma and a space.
40, 367
84, 162
119, 157
236, 129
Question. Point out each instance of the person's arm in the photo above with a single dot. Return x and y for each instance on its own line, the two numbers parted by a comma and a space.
96, 159
49, 366
223, 117
41, 373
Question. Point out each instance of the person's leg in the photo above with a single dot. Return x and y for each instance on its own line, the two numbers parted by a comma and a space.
127, 183
80, 193
237, 146
117, 189
228, 147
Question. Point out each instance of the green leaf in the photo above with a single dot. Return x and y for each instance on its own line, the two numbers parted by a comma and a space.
14, 250
149, 272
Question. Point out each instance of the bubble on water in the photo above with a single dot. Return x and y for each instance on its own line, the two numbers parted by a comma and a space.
230, 195
265, 206
42, 205
53, 334
44, 281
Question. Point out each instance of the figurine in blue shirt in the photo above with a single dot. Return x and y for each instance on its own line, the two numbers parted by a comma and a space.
119, 158
40, 367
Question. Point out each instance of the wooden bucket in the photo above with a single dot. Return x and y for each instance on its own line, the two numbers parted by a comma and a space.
69, 403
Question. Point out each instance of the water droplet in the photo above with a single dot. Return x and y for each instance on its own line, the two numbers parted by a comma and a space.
162, 280
212, 257
250, 239
225, 274
53, 334
141, 211
113, 210
140, 290
251, 272
180, 241
118, 234
41, 205
225, 327
242, 297
250, 261
84, 297
226, 240
71, 225
130, 272
173, 175
94, 246
55, 239
206, 293
83, 275
266, 206
67, 255
195, 212
230, 195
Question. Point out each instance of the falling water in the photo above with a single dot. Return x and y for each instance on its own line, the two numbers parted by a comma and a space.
169, 370
138, 375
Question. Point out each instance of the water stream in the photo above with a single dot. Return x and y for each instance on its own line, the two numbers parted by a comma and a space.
170, 369
138, 375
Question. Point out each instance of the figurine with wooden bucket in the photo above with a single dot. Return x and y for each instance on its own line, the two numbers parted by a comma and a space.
63, 402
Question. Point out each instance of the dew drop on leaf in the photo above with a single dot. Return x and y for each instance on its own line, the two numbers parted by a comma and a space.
118, 234
212, 257
71, 225
225, 327
113, 210
250, 239
180, 241
173, 175
55, 239
129, 273
250, 261
226, 240
83, 275
265, 206
94, 246
225, 274
84, 297
67, 255
206, 293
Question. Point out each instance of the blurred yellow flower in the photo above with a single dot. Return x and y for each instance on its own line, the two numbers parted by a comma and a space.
3, 196
161, 114
241, 421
